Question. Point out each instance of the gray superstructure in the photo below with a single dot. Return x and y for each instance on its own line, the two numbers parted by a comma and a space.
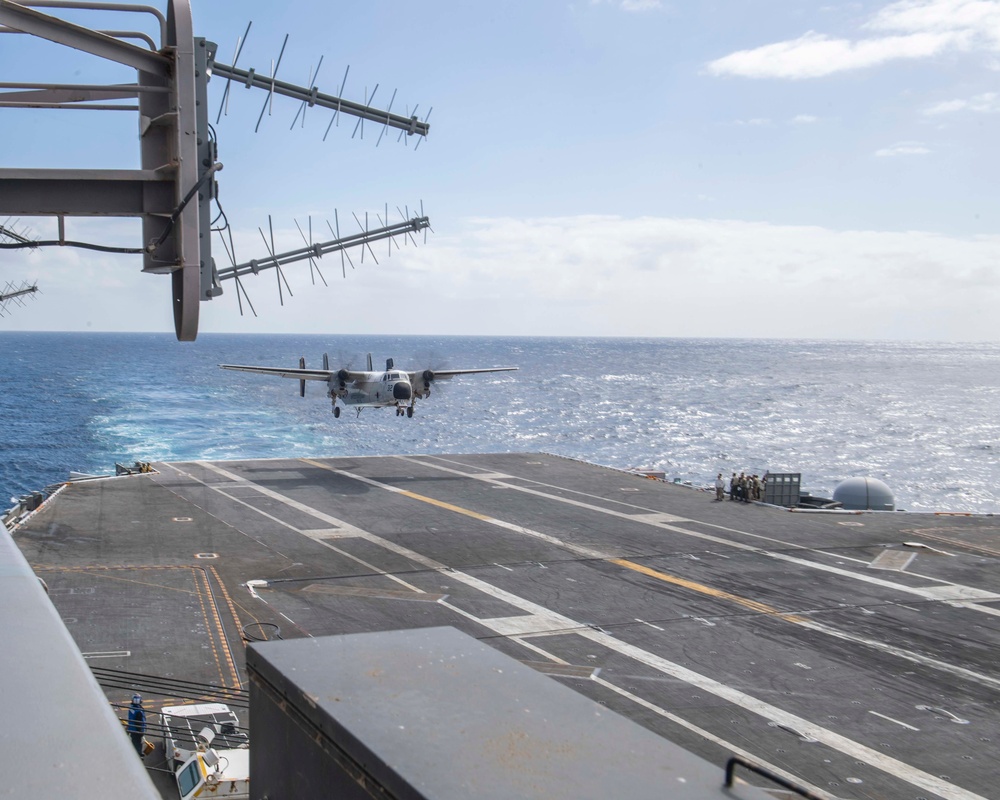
854, 653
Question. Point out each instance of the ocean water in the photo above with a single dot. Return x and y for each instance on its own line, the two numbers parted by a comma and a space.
923, 417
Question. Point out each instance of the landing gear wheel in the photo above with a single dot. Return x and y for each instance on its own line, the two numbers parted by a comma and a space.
336, 411
409, 411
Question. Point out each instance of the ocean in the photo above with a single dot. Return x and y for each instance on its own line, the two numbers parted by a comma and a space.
922, 417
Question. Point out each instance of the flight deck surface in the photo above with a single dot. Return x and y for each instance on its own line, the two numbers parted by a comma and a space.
853, 653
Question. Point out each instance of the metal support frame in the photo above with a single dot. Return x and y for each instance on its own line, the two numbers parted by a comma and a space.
170, 146
177, 153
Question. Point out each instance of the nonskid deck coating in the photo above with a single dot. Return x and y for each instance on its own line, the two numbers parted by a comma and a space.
725, 627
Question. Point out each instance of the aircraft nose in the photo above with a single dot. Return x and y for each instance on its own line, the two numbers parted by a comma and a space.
401, 391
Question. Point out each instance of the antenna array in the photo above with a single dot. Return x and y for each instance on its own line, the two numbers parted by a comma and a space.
15, 295
173, 191
8, 232
310, 96
312, 251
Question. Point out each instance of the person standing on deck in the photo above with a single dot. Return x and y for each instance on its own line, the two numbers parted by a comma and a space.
720, 487
136, 723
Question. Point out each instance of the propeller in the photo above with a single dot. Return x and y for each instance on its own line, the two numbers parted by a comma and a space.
436, 361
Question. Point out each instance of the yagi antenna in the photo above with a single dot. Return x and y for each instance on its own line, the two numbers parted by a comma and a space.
14, 294
336, 114
361, 118
312, 263
7, 231
307, 103
311, 95
315, 250
240, 41
269, 102
276, 264
388, 111
343, 252
365, 242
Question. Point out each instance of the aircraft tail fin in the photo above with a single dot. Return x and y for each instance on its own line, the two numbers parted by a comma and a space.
302, 383
326, 361
369, 362
388, 364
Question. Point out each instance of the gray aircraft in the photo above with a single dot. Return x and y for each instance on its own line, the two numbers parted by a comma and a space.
368, 388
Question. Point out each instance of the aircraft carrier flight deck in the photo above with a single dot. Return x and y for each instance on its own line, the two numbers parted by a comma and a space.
854, 653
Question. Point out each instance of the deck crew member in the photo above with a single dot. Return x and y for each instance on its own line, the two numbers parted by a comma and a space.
136, 723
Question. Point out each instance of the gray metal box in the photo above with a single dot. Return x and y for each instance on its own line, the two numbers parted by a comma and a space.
783, 488
433, 713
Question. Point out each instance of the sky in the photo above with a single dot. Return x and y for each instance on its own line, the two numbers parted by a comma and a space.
725, 168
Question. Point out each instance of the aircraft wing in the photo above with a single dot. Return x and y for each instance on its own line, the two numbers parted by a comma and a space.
285, 372
445, 374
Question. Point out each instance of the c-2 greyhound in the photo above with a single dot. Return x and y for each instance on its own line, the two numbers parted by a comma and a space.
368, 388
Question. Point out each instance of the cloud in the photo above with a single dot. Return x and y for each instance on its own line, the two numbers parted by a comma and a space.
654, 276
814, 55
972, 17
913, 29
986, 103
903, 149
804, 119
581, 275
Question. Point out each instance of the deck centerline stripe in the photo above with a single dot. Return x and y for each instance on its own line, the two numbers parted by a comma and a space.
701, 588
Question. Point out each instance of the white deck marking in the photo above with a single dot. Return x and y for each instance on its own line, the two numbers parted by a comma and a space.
849, 747
658, 518
897, 560
706, 734
947, 591
890, 719
524, 624
592, 553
